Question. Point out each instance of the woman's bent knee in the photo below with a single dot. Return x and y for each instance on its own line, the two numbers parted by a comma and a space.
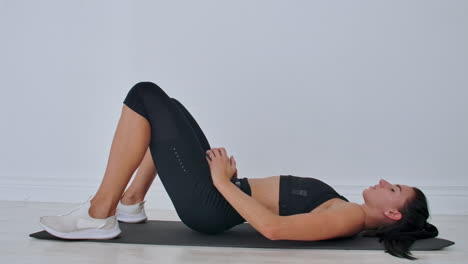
142, 89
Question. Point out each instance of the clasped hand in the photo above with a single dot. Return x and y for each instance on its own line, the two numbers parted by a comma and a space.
222, 168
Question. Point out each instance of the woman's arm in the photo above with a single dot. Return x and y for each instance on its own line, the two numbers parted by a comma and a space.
330, 223
260, 217
222, 169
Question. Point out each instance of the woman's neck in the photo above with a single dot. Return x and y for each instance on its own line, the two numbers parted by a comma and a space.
374, 217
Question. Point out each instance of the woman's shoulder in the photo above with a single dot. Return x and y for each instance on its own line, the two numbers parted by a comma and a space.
347, 208
337, 205
340, 203
353, 213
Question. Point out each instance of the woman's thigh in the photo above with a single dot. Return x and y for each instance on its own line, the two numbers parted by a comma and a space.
181, 162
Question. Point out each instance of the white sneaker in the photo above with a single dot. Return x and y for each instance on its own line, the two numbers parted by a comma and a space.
134, 213
78, 224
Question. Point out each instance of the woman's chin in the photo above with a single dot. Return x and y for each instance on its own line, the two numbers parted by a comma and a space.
365, 192
367, 189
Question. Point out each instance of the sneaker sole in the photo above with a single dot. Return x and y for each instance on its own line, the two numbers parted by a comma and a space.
131, 218
86, 233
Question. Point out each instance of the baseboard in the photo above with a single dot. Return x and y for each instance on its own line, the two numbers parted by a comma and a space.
71, 191
443, 200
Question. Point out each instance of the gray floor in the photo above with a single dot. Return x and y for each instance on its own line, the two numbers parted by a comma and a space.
19, 219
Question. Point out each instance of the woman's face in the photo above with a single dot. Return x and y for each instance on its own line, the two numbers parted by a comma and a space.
387, 196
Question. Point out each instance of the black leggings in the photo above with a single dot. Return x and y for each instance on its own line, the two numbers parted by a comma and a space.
178, 147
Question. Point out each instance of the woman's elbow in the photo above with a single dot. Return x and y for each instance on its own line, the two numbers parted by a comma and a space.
270, 234
267, 232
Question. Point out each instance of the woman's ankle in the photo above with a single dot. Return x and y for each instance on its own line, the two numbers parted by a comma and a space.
131, 199
100, 211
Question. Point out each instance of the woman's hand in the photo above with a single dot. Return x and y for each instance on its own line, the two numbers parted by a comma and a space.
222, 168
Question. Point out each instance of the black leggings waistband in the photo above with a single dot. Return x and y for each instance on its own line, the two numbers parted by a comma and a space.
243, 184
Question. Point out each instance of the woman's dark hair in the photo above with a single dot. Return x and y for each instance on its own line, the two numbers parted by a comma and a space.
413, 225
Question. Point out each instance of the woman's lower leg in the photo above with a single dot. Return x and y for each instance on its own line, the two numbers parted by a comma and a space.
141, 183
129, 145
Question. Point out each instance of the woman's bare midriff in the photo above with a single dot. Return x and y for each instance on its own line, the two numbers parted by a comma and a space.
266, 192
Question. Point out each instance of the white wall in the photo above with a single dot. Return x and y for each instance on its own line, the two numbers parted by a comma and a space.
345, 91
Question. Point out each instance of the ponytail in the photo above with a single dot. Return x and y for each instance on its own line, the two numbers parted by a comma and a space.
398, 237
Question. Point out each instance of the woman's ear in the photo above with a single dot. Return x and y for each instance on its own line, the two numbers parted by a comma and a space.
393, 214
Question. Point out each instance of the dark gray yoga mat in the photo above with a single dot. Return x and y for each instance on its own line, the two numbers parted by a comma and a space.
243, 235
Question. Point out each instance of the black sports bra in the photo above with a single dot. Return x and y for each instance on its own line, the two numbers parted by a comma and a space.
302, 194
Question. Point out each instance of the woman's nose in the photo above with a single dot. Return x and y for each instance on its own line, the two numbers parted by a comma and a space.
383, 182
